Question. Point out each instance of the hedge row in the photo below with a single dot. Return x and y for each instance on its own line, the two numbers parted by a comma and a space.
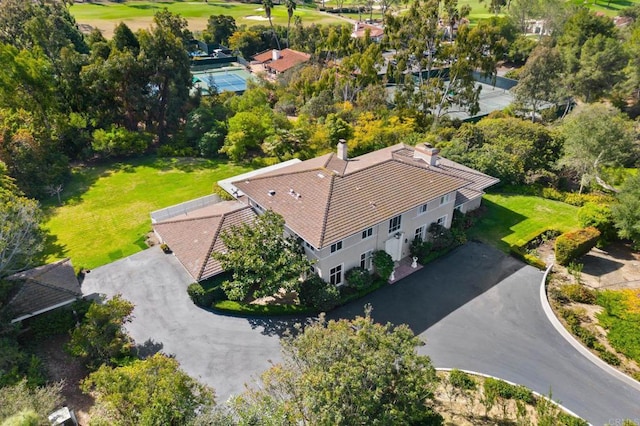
572, 245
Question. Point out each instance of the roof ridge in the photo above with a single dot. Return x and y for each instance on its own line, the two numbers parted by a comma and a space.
210, 249
325, 216
191, 219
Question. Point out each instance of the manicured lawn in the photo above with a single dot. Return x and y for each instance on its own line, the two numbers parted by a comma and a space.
139, 14
517, 219
105, 211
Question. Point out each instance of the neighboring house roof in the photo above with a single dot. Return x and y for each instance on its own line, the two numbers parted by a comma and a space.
287, 59
360, 30
193, 236
326, 199
43, 288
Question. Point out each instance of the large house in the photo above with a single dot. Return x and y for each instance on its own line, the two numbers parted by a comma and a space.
343, 209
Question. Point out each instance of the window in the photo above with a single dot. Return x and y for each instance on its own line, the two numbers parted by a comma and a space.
441, 221
365, 260
423, 209
336, 246
309, 246
367, 233
394, 223
419, 233
335, 275
444, 199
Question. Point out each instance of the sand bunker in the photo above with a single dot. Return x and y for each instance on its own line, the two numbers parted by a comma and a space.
256, 18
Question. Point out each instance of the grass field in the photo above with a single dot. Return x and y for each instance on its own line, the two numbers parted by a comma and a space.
105, 211
139, 14
517, 219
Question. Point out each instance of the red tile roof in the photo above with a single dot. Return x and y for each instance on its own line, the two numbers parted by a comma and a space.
326, 199
361, 29
288, 59
195, 235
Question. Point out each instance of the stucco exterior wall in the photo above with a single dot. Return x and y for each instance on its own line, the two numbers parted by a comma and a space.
354, 246
471, 205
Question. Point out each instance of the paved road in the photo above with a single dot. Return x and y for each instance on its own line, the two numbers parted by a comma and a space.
476, 308
480, 310
222, 351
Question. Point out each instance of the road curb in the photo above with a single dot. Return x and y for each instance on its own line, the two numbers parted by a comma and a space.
539, 395
551, 316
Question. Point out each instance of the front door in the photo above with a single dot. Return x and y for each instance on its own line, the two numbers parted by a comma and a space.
393, 246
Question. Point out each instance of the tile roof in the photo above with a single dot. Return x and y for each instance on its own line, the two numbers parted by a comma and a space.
195, 235
326, 199
43, 288
288, 59
360, 30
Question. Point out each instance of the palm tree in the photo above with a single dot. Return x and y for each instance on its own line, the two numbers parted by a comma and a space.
268, 5
291, 6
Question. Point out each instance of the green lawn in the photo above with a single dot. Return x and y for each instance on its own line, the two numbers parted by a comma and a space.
139, 14
105, 211
517, 219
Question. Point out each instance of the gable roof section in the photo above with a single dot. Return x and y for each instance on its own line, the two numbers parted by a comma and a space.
195, 235
44, 288
326, 199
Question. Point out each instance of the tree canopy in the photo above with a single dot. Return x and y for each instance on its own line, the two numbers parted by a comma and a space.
153, 391
347, 372
261, 258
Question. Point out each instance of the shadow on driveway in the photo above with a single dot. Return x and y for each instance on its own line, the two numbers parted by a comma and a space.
429, 295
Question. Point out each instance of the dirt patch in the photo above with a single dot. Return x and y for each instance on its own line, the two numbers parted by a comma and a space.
60, 366
283, 297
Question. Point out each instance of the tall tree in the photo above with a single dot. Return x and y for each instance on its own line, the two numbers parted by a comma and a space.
268, 7
154, 391
219, 29
346, 372
602, 62
20, 236
626, 210
164, 53
261, 258
291, 6
540, 80
597, 136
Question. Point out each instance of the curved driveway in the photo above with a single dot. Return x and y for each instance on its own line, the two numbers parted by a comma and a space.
480, 310
476, 308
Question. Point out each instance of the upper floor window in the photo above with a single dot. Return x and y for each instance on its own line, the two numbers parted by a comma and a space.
444, 199
395, 223
423, 209
336, 246
309, 246
367, 233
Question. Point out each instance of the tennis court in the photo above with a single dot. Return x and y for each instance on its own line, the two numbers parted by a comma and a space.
223, 79
491, 99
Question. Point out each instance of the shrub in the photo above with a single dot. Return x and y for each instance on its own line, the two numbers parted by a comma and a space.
609, 357
461, 380
318, 294
197, 293
441, 237
117, 141
383, 264
572, 245
578, 293
358, 278
599, 216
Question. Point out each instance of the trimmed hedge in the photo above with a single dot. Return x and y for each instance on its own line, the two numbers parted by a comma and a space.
358, 278
572, 245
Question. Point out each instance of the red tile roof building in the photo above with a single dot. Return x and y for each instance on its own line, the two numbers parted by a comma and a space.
279, 61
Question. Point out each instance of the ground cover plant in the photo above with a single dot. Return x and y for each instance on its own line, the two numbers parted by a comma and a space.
621, 319
513, 220
105, 209
139, 14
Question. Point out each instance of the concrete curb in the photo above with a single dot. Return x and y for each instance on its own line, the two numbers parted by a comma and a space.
574, 342
539, 395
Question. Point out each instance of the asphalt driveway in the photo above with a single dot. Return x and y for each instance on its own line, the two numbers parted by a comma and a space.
480, 310
222, 351
476, 308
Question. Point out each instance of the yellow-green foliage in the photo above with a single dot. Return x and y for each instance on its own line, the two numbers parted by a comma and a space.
572, 245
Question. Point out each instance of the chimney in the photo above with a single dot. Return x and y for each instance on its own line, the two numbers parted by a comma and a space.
342, 149
426, 152
275, 54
